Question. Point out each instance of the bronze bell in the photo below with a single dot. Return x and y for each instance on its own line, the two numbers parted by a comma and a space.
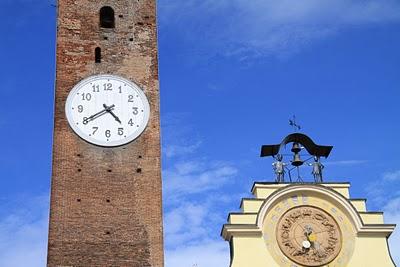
297, 160
296, 148
296, 157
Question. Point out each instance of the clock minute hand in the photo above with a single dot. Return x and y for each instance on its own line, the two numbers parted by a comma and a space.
109, 110
98, 114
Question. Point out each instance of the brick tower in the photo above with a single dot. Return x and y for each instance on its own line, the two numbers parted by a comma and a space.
106, 205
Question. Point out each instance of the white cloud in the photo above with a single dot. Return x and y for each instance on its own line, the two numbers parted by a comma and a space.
23, 234
392, 215
190, 177
392, 176
206, 254
193, 215
345, 162
175, 150
185, 224
249, 29
384, 188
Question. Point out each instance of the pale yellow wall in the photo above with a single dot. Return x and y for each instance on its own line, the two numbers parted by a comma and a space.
372, 218
371, 252
242, 218
250, 250
359, 204
265, 190
368, 252
251, 205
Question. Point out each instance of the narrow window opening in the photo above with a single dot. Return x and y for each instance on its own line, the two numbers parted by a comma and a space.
97, 53
107, 17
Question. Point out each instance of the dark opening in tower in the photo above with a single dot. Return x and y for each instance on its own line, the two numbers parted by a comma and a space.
97, 55
107, 17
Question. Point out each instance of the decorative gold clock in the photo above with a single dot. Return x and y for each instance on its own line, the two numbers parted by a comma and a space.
309, 236
308, 230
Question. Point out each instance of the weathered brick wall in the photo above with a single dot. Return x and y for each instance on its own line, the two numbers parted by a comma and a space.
106, 202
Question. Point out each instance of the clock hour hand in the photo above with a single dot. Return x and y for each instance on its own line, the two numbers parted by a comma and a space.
109, 110
98, 114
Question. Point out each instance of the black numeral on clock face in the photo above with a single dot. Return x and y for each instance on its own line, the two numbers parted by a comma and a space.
86, 97
130, 122
130, 98
80, 108
120, 131
108, 133
95, 129
135, 111
107, 86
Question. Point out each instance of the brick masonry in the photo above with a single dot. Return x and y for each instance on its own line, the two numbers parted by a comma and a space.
106, 204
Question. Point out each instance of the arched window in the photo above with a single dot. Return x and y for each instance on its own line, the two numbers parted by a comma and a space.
107, 17
97, 55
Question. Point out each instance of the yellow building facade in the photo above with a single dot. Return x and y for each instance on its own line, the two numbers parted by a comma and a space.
306, 224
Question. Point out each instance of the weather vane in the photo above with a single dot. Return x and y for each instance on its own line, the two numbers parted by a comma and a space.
294, 124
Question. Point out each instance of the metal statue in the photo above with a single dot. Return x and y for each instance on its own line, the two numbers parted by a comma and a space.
279, 168
301, 142
317, 169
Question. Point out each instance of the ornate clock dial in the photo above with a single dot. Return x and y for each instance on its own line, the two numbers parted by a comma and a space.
107, 110
309, 236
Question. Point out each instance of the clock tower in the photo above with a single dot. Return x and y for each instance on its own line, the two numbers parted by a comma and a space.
294, 223
106, 205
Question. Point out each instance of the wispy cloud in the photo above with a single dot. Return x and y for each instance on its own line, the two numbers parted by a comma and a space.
383, 193
346, 162
193, 213
175, 150
384, 188
197, 177
194, 204
205, 254
23, 234
392, 215
249, 29
392, 176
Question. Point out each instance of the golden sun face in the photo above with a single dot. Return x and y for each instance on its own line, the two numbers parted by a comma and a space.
309, 236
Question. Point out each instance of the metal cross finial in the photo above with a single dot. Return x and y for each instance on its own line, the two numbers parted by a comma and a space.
293, 123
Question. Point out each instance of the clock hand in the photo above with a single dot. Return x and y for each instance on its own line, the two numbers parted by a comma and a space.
98, 114
109, 110
320, 232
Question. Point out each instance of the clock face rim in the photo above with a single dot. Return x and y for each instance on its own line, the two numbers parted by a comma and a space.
338, 251
93, 141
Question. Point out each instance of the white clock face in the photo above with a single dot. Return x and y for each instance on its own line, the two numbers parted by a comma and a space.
107, 110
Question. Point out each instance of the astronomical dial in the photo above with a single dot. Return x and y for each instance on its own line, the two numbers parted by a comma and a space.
107, 110
309, 236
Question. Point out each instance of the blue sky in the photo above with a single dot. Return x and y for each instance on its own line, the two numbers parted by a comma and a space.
232, 73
